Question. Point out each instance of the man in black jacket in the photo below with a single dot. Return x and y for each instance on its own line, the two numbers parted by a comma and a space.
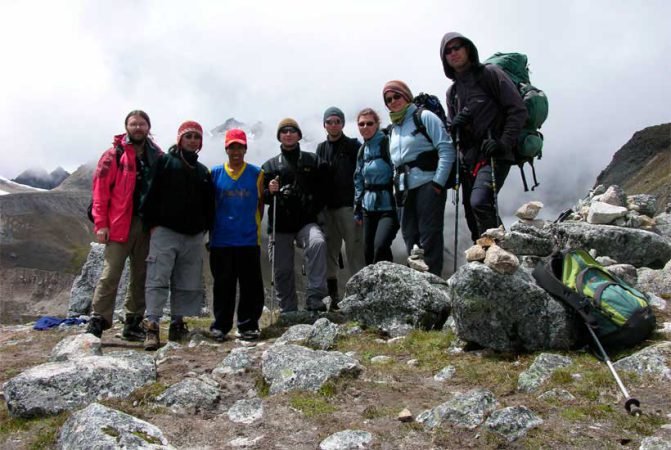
487, 114
295, 178
338, 152
178, 209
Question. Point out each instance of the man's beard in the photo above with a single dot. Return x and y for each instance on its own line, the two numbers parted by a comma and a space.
136, 141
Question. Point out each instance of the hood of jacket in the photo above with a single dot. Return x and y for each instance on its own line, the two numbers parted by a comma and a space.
472, 52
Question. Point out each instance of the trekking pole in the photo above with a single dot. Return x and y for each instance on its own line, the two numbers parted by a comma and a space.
494, 193
456, 200
272, 260
631, 404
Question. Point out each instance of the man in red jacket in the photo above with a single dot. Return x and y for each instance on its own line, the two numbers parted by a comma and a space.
120, 183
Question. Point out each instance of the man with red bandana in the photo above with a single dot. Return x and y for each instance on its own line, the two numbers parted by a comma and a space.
120, 182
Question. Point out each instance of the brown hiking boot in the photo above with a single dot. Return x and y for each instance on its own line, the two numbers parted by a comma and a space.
152, 340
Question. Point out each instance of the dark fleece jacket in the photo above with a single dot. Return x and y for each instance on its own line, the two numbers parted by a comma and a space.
495, 104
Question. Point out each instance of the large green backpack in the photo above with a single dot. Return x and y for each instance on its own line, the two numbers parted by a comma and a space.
619, 314
530, 142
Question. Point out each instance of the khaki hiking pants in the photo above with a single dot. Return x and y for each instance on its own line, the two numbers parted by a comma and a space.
137, 249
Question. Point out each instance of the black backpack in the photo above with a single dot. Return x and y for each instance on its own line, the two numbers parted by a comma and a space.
89, 209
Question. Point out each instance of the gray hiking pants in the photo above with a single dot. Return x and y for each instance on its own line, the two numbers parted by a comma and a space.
311, 239
175, 267
340, 226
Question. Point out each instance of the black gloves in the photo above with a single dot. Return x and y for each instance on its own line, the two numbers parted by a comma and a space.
490, 148
463, 118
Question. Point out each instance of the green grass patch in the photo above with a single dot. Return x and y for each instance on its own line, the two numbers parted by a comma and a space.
311, 404
561, 377
262, 387
147, 393
37, 433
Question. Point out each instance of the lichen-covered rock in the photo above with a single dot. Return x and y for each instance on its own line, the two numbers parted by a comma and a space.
98, 427
323, 335
643, 204
626, 272
466, 410
513, 422
663, 224
655, 443
292, 367
54, 387
347, 440
523, 239
508, 312
296, 334
614, 195
541, 370
76, 346
81, 293
639, 248
445, 373
190, 396
384, 295
238, 361
651, 360
557, 394
656, 281
246, 411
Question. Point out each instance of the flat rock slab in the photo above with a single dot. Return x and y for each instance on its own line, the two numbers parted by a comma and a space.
190, 396
246, 411
76, 346
513, 422
237, 362
651, 361
292, 367
347, 440
98, 427
541, 370
463, 410
51, 388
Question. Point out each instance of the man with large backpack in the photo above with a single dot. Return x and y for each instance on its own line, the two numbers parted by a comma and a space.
487, 114
338, 153
120, 183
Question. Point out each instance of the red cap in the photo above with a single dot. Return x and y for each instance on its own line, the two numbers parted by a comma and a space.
187, 127
235, 135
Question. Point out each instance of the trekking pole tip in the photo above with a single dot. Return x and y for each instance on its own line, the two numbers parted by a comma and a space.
633, 407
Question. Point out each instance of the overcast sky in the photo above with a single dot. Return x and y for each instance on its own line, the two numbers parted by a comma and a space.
73, 69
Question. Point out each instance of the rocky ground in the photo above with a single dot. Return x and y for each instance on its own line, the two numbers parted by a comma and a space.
584, 408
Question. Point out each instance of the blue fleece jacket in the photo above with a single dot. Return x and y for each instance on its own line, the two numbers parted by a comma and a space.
372, 169
405, 148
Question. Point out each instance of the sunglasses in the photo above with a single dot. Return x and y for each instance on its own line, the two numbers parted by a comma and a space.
454, 48
391, 98
333, 122
287, 130
366, 124
192, 136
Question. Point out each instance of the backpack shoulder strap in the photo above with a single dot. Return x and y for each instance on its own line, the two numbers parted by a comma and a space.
384, 151
419, 125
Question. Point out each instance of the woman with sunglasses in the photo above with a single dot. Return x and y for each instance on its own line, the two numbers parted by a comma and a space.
422, 168
373, 190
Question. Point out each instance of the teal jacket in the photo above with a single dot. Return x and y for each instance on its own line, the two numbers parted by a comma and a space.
372, 173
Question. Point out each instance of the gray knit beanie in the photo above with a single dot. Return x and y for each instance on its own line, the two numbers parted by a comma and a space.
334, 111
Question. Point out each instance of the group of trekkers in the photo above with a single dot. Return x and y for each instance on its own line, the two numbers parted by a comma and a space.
155, 208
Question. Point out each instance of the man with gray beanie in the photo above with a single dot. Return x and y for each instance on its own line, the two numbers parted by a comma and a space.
338, 154
294, 183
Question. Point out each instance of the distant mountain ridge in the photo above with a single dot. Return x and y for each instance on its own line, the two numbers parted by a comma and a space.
40, 178
643, 165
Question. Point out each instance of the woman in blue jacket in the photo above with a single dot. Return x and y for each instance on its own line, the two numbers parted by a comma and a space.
373, 190
423, 167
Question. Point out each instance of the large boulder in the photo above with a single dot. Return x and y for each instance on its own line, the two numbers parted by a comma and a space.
386, 295
508, 312
51, 388
292, 367
656, 281
85, 283
99, 427
525, 239
639, 248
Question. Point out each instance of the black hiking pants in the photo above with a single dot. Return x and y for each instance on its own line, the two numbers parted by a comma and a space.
422, 224
478, 198
230, 266
379, 231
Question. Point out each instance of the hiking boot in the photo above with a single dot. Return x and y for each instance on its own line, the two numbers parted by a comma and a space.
96, 326
248, 335
152, 340
332, 285
416, 259
217, 334
316, 306
178, 331
133, 329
